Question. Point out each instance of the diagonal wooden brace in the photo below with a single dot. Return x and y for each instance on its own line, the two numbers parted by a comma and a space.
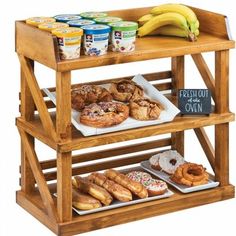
205, 73
206, 146
38, 175
37, 96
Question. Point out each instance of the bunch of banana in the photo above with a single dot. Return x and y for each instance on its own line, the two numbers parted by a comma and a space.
171, 20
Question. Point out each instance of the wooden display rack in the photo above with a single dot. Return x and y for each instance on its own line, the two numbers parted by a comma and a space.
56, 131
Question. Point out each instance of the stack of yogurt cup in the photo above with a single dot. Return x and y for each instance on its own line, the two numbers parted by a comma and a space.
98, 30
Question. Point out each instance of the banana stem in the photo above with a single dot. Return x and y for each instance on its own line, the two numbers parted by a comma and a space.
192, 37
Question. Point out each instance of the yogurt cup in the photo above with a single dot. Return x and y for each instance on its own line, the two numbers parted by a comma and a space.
79, 23
123, 36
67, 17
92, 15
95, 40
52, 26
69, 41
35, 21
107, 20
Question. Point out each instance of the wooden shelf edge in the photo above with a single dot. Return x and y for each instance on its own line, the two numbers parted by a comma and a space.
81, 224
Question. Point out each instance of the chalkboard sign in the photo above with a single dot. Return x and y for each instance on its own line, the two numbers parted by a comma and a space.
194, 101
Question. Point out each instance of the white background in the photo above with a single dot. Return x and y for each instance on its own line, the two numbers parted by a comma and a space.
213, 219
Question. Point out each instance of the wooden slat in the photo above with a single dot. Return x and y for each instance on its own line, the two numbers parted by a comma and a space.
63, 101
64, 190
212, 23
206, 146
38, 175
177, 67
222, 81
95, 155
27, 181
205, 73
222, 105
36, 44
37, 96
103, 165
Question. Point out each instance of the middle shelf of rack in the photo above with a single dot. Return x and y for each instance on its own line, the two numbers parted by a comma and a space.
78, 141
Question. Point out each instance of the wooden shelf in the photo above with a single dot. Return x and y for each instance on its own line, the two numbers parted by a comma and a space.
79, 141
80, 224
214, 36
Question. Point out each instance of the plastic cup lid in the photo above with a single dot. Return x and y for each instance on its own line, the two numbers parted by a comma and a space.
78, 23
96, 29
39, 20
108, 19
67, 17
124, 25
92, 15
68, 32
52, 26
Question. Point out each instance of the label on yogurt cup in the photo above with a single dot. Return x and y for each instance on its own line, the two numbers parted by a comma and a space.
95, 41
67, 17
123, 36
93, 15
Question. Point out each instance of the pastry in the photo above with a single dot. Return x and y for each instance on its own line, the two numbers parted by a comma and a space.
153, 186
138, 176
104, 114
83, 201
145, 109
134, 186
190, 174
125, 90
83, 95
94, 190
166, 161
118, 191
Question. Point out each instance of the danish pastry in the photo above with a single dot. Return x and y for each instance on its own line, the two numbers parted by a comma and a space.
190, 174
104, 114
125, 90
83, 95
145, 109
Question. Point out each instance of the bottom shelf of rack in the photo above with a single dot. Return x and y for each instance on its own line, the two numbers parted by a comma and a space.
80, 224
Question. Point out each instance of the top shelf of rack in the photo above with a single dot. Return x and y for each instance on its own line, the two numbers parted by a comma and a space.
42, 47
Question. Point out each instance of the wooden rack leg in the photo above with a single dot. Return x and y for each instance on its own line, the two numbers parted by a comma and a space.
222, 106
64, 160
177, 67
27, 113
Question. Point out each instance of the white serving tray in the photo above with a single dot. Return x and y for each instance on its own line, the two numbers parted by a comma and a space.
182, 188
169, 113
117, 204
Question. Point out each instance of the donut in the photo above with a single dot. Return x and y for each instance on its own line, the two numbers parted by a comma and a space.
104, 114
190, 174
145, 109
125, 90
154, 187
167, 161
83, 95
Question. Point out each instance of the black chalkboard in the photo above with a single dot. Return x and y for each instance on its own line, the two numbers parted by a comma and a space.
194, 101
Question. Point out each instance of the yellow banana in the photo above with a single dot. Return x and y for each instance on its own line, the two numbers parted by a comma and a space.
181, 9
142, 20
162, 20
170, 30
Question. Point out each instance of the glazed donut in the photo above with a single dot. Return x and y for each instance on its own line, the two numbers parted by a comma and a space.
145, 109
104, 114
190, 174
166, 161
125, 90
83, 95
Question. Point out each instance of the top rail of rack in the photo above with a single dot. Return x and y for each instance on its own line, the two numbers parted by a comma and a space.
41, 46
